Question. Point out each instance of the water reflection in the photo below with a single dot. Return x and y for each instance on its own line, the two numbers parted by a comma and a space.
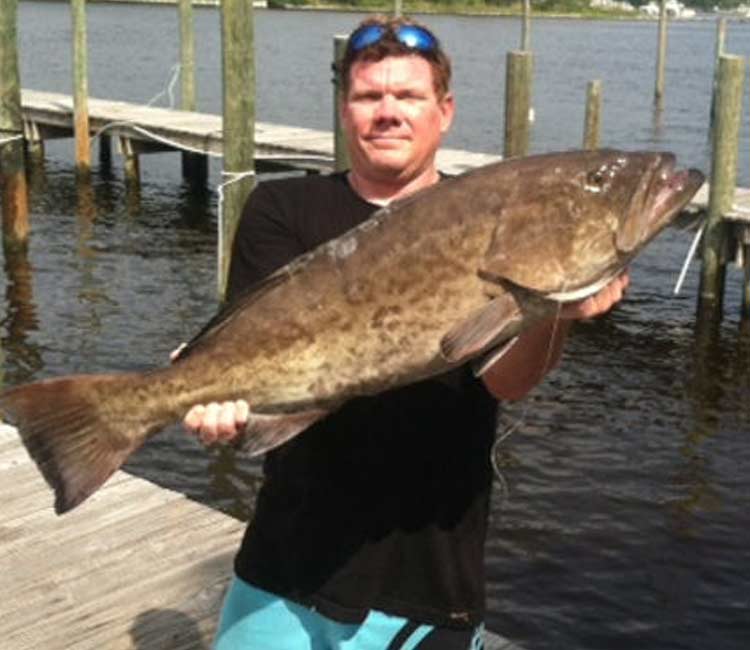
22, 356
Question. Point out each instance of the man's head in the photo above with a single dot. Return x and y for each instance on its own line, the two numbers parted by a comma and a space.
378, 37
395, 102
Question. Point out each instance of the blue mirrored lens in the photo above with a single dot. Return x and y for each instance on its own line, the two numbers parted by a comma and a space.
412, 36
416, 38
366, 36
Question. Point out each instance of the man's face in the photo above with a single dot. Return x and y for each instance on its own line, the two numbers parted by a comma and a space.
392, 117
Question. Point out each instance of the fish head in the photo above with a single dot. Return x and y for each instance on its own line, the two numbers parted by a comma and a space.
575, 219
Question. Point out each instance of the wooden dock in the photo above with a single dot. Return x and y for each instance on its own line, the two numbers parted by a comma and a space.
143, 129
137, 567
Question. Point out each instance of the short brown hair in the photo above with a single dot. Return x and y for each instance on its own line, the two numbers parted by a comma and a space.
389, 45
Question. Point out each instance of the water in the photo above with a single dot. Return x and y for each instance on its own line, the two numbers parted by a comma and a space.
626, 522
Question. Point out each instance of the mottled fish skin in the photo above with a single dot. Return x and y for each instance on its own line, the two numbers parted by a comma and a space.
424, 285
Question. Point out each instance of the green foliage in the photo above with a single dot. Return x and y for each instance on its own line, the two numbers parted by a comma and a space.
495, 6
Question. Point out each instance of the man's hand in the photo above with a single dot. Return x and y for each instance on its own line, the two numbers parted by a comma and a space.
600, 303
216, 422
539, 348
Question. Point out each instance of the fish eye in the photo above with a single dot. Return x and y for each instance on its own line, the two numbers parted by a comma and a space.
595, 181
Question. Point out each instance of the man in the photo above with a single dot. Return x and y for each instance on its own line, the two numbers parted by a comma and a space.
369, 529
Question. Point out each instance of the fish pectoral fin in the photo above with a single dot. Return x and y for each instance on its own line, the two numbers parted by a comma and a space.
264, 431
492, 325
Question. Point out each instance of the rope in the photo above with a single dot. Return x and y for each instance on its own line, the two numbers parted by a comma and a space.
233, 177
11, 139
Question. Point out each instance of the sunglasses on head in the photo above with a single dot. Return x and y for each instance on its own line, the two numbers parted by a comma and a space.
411, 36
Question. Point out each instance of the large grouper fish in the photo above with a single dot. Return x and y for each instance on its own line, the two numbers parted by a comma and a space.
447, 276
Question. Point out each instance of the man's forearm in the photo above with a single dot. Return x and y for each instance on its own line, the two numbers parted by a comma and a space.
525, 364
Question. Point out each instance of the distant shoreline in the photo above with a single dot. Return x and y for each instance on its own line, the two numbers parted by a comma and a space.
446, 10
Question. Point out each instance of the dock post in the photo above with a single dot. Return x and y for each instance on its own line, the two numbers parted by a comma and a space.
34, 144
340, 150
194, 165
13, 188
721, 35
238, 65
518, 77
661, 56
526, 27
131, 163
593, 120
723, 181
80, 89
105, 152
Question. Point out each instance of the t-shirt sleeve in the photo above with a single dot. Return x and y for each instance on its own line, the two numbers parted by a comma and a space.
264, 242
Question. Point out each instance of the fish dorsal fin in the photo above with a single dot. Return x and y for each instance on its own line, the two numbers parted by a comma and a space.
228, 311
494, 323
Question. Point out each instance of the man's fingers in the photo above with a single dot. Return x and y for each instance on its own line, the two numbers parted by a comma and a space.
217, 422
242, 412
194, 417
208, 431
599, 303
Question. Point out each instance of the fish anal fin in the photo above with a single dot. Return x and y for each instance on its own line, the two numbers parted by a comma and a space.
494, 323
264, 431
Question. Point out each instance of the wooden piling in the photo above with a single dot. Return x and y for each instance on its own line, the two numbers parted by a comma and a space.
661, 56
340, 150
194, 166
721, 35
187, 55
131, 163
13, 189
526, 26
593, 119
80, 89
105, 152
238, 65
518, 78
723, 181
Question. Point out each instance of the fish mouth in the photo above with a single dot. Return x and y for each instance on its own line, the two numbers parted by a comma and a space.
670, 191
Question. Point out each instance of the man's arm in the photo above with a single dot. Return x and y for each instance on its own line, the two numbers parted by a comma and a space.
538, 350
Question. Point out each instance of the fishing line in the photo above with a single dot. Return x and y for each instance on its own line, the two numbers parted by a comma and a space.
176, 70
521, 420
688, 259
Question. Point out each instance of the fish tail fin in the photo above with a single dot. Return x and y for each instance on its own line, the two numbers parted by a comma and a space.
74, 431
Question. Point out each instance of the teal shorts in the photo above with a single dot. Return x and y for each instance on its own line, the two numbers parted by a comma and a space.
253, 619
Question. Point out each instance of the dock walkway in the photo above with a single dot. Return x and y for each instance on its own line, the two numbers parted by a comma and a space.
142, 128
137, 567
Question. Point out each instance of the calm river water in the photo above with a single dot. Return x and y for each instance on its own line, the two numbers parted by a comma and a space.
626, 522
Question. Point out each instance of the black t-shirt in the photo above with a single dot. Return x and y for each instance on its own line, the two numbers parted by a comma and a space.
383, 504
